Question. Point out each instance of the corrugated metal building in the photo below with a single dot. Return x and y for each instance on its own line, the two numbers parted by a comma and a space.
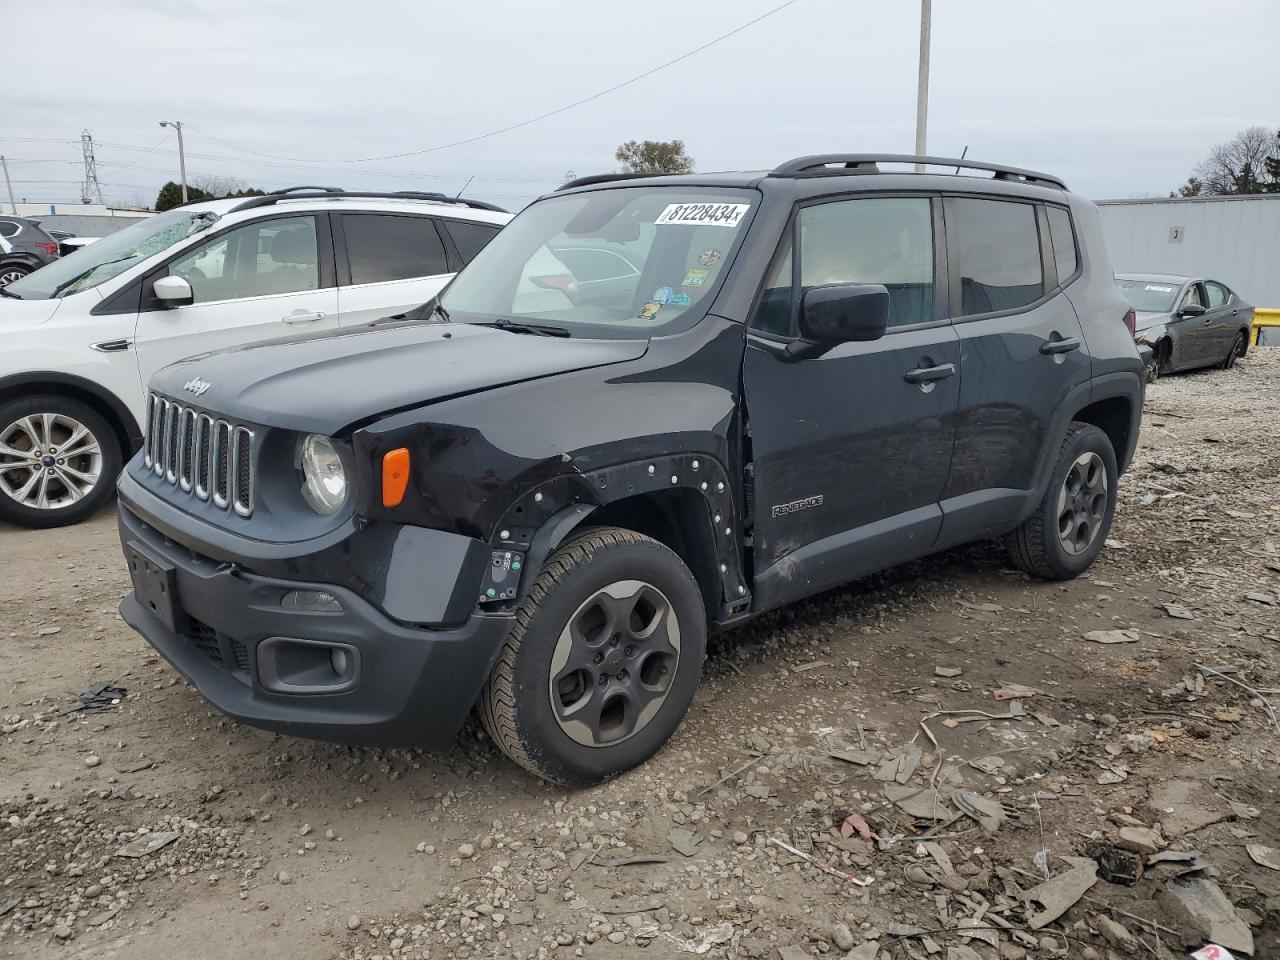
1232, 239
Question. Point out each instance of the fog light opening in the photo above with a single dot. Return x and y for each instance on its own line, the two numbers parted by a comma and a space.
311, 601
340, 661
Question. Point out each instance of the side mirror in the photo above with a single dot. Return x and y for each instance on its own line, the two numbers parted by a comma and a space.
1192, 310
840, 313
173, 292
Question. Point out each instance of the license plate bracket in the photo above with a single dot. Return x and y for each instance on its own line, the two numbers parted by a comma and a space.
155, 584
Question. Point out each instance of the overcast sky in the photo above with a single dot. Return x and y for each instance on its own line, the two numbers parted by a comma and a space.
1119, 97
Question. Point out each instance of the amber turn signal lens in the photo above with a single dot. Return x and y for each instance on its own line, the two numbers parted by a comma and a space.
395, 476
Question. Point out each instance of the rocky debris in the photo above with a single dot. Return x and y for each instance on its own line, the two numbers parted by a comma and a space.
1059, 894
1112, 636
1206, 913
1185, 806
1140, 840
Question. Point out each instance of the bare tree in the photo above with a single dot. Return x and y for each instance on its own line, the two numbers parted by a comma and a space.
219, 186
1239, 165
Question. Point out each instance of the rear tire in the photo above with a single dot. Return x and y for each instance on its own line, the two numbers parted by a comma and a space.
603, 660
1070, 525
10, 272
1238, 347
75, 472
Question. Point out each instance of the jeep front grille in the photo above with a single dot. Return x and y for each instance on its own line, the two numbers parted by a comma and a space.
199, 454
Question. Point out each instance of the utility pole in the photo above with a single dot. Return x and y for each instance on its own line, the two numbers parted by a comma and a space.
9, 183
922, 83
182, 154
91, 189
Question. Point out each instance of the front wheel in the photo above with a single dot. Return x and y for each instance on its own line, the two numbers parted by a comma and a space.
1067, 531
602, 662
58, 461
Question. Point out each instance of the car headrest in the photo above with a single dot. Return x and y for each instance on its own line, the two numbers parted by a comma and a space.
296, 246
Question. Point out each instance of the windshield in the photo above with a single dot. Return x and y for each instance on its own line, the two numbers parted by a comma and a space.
110, 256
623, 262
1148, 296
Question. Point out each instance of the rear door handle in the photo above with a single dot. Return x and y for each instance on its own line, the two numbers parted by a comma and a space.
930, 374
302, 316
1065, 345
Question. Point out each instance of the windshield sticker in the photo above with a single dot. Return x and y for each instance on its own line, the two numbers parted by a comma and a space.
709, 257
1152, 286
696, 277
650, 310
681, 300
663, 295
703, 214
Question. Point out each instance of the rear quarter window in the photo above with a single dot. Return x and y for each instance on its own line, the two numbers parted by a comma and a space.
1063, 238
469, 237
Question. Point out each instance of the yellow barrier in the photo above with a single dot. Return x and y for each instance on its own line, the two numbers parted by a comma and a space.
1264, 317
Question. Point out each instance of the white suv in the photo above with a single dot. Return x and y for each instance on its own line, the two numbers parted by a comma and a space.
82, 336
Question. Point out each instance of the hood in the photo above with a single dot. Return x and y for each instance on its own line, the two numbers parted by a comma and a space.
324, 384
16, 314
1144, 320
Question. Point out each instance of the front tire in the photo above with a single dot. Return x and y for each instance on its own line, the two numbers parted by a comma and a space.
603, 660
59, 459
1070, 525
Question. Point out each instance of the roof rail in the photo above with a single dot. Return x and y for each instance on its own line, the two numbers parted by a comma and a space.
604, 178
329, 193
857, 163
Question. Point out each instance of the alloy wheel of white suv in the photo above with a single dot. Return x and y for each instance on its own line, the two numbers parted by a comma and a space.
58, 461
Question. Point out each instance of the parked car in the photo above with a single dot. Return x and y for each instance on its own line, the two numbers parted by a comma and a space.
1188, 322
84, 334
539, 498
68, 245
24, 246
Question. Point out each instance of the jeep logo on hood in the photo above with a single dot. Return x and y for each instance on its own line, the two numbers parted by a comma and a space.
197, 386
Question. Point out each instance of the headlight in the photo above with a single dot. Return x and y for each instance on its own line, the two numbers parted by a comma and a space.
324, 478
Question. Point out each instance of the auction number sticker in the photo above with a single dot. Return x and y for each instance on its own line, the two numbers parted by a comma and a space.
1159, 289
704, 214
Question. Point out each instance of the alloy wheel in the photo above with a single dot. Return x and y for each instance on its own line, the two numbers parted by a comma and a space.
49, 461
1082, 503
10, 275
614, 663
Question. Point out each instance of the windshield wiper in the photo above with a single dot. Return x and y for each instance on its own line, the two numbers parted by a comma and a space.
536, 329
84, 273
4, 292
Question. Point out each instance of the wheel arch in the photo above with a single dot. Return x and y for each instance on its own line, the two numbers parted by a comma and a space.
77, 388
685, 502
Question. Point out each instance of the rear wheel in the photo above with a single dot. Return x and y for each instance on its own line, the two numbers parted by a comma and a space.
58, 461
602, 662
10, 272
1238, 347
1067, 532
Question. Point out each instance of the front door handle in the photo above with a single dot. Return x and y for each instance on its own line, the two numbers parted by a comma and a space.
302, 316
1065, 345
930, 374
1207, 321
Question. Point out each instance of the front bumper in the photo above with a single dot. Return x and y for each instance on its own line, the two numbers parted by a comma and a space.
407, 686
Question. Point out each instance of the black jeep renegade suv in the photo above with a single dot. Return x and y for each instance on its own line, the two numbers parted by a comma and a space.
649, 408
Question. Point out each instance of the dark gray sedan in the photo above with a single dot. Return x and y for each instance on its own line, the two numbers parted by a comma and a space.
1188, 322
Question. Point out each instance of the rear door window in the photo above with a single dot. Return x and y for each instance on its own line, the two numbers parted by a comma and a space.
470, 238
8, 228
385, 247
995, 251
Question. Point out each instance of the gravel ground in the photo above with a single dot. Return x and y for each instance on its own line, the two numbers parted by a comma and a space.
729, 842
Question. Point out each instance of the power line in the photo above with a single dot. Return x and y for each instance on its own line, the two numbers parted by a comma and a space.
522, 123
